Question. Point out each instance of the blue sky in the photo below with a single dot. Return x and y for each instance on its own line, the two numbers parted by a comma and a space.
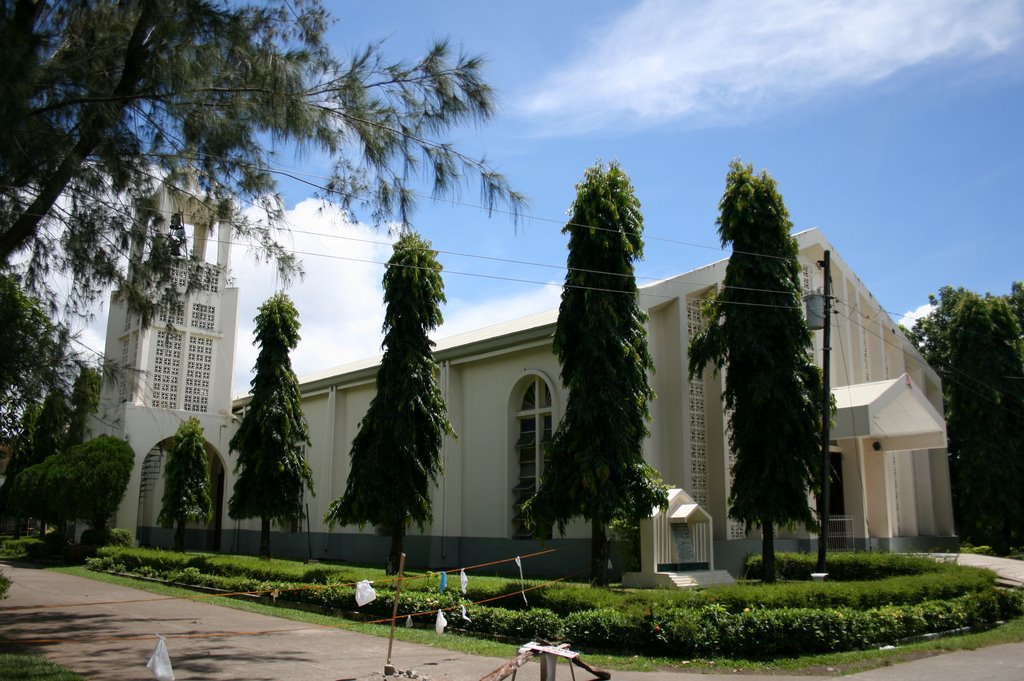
895, 127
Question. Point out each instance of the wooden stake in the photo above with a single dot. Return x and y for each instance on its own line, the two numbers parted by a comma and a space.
388, 667
509, 668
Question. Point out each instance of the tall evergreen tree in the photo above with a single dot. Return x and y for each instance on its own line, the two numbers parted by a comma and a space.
186, 482
272, 470
396, 455
85, 400
932, 334
757, 333
102, 101
985, 412
596, 469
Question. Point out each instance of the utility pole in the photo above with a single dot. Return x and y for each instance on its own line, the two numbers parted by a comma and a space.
826, 414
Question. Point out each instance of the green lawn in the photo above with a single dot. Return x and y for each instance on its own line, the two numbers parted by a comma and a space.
31, 667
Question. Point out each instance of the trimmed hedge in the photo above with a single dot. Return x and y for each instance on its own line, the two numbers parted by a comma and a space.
23, 547
5, 584
751, 621
110, 536
844, 567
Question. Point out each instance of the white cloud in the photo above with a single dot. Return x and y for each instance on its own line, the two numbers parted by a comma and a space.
912, 316
339, 299
664, 60
461, 316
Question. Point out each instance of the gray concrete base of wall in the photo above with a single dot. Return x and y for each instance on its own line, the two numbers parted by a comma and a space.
567, 558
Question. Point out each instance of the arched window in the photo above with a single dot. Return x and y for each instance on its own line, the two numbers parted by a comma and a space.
533, 420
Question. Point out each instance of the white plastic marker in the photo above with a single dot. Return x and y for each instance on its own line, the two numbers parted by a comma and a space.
463, 581
522, 581
408, 621
464, 615
365, 593
160, 662
440, 623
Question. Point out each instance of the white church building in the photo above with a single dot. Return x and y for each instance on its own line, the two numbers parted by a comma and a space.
890, 480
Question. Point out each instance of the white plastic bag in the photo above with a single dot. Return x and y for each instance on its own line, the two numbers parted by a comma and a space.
364, 593
464, 615
463, 581
440, 623
160, 662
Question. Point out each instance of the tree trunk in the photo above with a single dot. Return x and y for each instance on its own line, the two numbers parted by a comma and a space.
265, 538
598, 553
395, 554
94, 125
768, 552
179, 537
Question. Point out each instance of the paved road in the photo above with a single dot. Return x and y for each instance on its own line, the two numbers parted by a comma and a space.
104, 631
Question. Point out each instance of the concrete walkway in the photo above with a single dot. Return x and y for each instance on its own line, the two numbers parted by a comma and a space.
1010, 572
103, 631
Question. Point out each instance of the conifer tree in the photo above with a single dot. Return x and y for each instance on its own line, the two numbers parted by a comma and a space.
186, 482
985, 412
100, 102
757, 334
272, 470
596, 469
932, 334
396, 455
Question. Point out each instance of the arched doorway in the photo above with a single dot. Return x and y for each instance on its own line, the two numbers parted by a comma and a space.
198, 537
216, 524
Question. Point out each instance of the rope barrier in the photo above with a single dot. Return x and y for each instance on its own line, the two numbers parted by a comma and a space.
261, 592
200, 597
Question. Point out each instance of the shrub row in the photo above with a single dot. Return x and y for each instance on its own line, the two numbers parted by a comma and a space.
844, 567
23, 547
943, 581
110, 536
755, 633
5, 584
706, 629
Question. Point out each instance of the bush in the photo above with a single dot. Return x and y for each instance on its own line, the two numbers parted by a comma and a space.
5, 584
983, 549
112, 536
20, 548
844, 567
520, 625
607, 629
744, 620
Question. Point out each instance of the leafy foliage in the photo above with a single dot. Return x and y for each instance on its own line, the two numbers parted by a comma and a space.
103, 101
83, 403
272, 470
396, 455
596, 468
986, 417
110, 536
752, 621
976, 346
86, 483
186, 482
49, 428
772, 387
33, 356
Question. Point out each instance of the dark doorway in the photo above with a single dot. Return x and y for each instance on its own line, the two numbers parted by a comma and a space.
836, 504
